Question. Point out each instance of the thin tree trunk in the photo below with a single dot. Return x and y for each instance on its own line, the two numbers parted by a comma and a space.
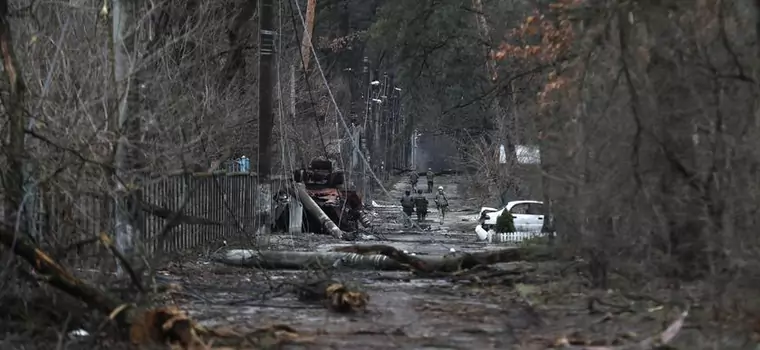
126, 127
13, 175
500, 107
236, 60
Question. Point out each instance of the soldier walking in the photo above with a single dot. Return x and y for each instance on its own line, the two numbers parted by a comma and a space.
441, 202
413, 177
429, 177
421, 206
407, 205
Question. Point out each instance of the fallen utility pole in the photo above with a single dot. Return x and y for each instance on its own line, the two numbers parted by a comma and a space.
378, 257
313, 208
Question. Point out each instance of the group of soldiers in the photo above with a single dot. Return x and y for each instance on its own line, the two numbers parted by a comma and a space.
419, 203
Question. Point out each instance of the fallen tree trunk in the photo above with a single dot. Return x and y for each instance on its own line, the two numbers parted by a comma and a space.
146, 327
378, 257
311, 206
291, 260
451, 263
141, 323
55, 274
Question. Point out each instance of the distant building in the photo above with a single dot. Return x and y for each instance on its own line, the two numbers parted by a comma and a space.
525, 154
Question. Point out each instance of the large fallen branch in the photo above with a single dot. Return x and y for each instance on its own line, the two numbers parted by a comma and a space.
157, 326
379, 257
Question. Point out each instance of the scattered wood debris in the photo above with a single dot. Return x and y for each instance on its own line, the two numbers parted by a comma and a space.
336, 296
168, 326
173, 328
654, 342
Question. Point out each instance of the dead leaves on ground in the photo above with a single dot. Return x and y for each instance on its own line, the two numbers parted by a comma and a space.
173, 328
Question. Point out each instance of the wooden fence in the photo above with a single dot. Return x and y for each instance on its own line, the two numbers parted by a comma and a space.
214, 206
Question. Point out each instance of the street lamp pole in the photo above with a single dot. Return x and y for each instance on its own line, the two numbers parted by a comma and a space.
386, 122
367, 100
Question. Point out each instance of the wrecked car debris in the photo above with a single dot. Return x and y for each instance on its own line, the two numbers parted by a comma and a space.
330, 207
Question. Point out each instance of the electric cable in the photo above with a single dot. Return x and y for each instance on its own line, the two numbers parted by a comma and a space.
306, 79
318, 65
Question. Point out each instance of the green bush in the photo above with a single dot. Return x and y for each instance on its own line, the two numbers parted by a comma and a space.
504, 223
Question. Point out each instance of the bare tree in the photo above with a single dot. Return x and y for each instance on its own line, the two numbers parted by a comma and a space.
14, 103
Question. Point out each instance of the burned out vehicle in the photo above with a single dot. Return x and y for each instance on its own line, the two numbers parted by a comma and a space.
326, 185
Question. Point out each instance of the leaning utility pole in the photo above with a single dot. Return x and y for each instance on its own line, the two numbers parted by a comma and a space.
266, 115
311, 6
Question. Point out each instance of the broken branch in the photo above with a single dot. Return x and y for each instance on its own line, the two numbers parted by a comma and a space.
146, 327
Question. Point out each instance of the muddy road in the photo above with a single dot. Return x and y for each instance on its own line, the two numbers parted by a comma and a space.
530, 312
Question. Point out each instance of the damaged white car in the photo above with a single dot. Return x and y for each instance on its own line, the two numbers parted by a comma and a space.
527, 215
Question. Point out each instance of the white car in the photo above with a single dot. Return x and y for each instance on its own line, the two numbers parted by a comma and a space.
527, 215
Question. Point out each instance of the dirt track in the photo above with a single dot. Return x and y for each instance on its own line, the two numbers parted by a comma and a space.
405, 313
